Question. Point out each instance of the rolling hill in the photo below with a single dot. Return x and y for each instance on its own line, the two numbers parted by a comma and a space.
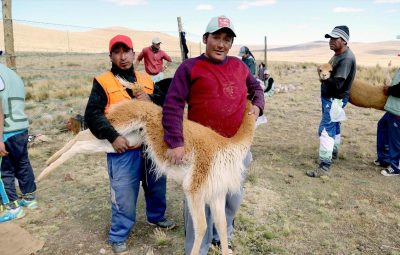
36, 39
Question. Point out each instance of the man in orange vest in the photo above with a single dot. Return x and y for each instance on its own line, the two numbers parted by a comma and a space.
128, 165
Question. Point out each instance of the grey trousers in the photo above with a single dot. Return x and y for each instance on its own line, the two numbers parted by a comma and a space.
232, 205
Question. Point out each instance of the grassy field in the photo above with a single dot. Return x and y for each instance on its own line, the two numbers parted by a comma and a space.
355, 211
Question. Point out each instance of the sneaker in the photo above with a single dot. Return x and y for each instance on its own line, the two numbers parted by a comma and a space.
230, 247
217, 244
28, 200
119, 248
320, 171
390, 172
12, 211
165, 223
31, 204
378, 163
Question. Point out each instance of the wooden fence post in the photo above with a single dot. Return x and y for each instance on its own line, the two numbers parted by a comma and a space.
8, 35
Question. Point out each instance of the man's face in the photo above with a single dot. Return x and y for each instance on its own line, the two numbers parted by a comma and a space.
218, 45
157, 46
122, 56
336, 44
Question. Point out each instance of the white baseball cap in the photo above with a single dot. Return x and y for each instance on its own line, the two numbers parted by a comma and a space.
218, 23
156, 40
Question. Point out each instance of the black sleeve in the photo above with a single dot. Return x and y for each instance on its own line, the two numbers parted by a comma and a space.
332, 87
160, 91
94, 114
395, 90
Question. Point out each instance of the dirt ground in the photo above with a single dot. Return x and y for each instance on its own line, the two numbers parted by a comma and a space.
355, 211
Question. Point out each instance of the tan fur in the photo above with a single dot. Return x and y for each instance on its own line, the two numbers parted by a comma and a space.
324, 71
73, 125
135, 87
362, 94
366, 95
212, 166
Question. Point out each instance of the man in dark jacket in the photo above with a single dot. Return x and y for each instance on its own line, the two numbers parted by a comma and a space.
336, 88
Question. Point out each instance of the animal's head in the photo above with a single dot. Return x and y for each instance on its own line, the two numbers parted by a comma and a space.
135, 87
324, 71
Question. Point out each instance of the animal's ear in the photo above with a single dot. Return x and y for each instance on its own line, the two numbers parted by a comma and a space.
319, 69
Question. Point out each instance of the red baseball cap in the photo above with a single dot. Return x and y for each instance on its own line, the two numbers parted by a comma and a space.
121, 39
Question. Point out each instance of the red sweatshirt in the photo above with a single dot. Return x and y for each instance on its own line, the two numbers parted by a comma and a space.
215, 93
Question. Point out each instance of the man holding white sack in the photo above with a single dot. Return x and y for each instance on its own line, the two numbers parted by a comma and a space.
334, 91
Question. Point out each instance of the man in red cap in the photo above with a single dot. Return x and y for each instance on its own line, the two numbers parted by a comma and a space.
128, 165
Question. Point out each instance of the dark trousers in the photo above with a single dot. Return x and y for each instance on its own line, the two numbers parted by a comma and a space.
388, 140
16, 165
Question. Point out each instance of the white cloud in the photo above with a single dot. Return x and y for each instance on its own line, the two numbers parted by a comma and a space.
347, 9
128, 2
204, 7
386, 1
247, 4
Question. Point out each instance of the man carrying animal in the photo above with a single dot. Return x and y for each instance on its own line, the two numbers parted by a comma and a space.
215, 88
153, 60
337, 87
128, 166
14, 158
388, 131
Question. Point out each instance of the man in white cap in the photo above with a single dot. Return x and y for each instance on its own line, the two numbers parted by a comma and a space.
336, 88
153, 60
215, 87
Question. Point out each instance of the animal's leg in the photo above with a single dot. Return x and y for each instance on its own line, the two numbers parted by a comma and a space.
77, 148
217, 207
61, 151
83, 136
196, 206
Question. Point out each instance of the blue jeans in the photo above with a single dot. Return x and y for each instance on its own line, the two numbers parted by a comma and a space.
17, 165
126, 171
388, 140
232, 205
328, 132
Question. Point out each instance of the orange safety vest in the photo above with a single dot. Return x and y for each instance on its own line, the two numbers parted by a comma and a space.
116, 92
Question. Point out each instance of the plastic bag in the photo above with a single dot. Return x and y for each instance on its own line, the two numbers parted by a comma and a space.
337, 112
261, 120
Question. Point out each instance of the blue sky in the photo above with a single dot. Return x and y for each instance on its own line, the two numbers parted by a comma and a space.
284, 22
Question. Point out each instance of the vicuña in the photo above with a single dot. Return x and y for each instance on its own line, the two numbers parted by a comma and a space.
212, 167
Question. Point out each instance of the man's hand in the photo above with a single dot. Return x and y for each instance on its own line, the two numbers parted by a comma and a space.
142, 96
386, 90
255, 110
3, 151
120, 144
175, 155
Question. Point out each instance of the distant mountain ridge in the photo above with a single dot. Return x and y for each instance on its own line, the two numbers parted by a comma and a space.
36, 39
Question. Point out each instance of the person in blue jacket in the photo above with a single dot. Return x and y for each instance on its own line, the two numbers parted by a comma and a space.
14, 159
